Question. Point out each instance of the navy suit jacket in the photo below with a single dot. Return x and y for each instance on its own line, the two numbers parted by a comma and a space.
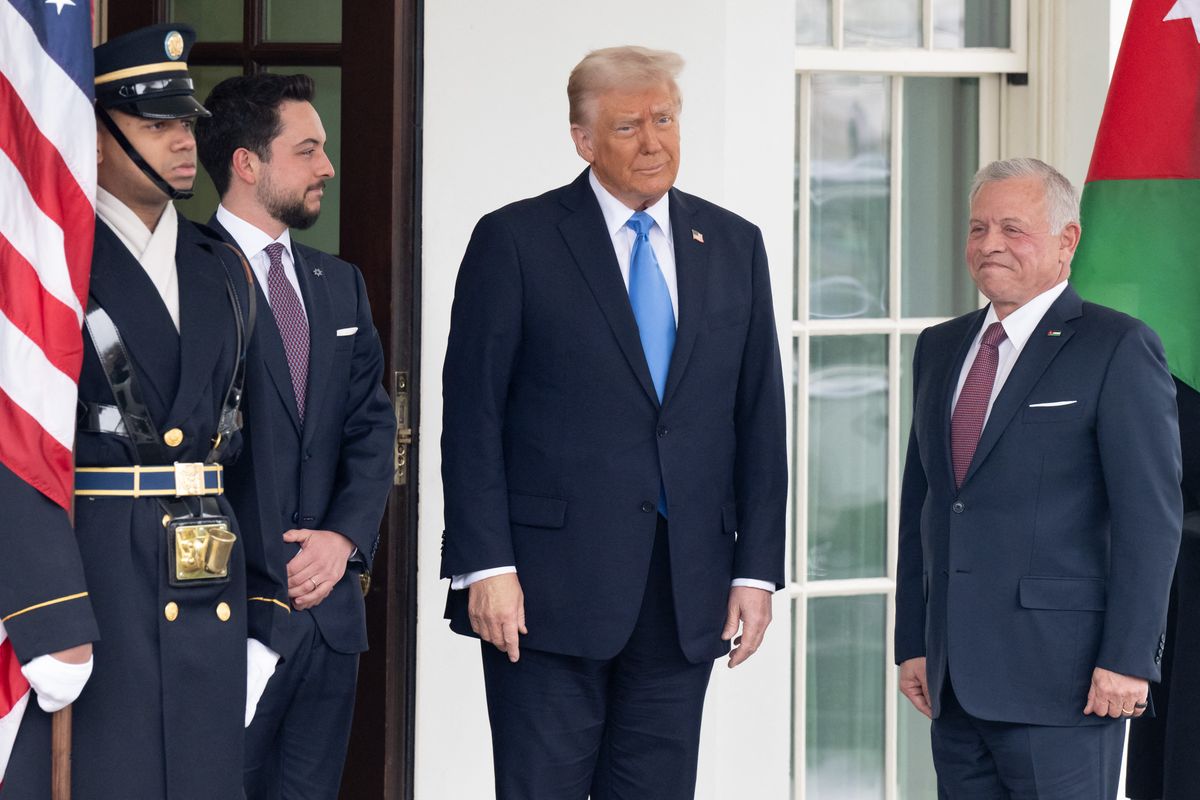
554, 440
1056, 554
333, 472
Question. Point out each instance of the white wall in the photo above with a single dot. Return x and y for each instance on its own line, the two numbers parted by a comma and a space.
495, 130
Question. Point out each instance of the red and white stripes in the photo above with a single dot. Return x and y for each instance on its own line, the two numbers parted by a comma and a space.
48, 182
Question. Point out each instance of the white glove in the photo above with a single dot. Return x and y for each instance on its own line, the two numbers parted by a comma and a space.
260, 666
57, 683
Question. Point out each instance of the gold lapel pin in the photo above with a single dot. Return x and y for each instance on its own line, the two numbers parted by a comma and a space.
698, 236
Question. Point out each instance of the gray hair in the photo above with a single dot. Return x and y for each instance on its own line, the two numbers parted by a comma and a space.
628, 67
1062, 201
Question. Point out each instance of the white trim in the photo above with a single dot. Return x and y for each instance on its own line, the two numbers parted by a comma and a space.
838, 23
841, 587
895, 188
861, 325
910, 61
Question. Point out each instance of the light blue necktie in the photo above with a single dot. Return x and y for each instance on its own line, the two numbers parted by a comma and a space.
652, 309
651, 302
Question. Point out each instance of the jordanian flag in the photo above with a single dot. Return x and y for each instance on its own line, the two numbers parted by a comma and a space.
1140, 250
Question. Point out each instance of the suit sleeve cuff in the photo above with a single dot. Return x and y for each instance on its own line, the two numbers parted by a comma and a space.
458, 582
751, 583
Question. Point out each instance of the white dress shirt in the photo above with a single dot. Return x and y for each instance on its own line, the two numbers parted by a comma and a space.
253, 244
616, 214
1018, 327
154, 250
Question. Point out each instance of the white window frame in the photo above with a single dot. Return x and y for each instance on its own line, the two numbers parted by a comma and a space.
989, 66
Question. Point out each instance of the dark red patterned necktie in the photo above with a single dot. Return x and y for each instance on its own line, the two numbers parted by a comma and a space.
967, 422
293, 325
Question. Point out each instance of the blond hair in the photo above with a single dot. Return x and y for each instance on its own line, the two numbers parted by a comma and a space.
627, 67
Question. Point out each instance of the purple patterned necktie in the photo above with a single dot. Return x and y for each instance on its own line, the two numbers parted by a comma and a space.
966, 424
293, 325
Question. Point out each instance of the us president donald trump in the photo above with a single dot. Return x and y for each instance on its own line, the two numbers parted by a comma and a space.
1040, 512
613, 452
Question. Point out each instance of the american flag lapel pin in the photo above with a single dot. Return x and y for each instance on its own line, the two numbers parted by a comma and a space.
1053, 332
698, 236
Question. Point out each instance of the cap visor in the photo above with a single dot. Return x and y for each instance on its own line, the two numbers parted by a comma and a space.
174, 107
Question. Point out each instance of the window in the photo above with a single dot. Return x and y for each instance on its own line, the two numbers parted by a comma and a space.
898, 104
236, 37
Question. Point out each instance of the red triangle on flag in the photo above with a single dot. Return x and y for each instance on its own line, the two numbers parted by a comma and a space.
1151, 122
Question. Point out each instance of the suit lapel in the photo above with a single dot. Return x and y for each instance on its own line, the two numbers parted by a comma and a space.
123, 289
1037, 354
318, 306
203, 299
587, 237
691, 274
269, 342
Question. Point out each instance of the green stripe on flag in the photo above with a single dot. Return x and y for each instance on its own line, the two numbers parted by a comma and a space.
1140, 253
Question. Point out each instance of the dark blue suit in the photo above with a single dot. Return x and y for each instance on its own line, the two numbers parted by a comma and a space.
333, 472
1056, 554
161, 684
554, 442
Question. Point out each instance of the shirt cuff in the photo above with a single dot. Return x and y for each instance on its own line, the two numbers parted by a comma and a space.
458, 582
751, 583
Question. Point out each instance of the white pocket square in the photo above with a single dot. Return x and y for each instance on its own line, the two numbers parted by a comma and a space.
354, 330
1055, 404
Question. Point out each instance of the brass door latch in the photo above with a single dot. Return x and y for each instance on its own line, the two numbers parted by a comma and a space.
404, 433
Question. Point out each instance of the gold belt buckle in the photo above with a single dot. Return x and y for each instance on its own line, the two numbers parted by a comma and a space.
189, 479
202, 550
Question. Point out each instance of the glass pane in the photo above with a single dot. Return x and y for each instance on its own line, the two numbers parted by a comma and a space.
812, 23
203, 203
324, 235
851, 172
883, 23
941, 154
843, 713
971, 23
914, 759
214, 20
303, 21
847, 456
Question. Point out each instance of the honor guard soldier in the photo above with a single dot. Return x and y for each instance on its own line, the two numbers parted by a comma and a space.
167, 324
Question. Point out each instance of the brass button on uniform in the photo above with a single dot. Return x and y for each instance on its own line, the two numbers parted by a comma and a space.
223, 611
173, 437
171, 611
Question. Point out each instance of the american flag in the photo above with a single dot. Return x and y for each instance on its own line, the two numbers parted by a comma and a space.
48, 191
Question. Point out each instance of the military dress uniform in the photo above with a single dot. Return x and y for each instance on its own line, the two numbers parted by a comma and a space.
163, 713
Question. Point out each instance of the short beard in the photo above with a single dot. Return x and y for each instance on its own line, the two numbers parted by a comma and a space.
290, 212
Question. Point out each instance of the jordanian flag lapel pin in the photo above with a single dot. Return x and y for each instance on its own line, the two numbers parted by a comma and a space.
1053, 332
1140, 237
